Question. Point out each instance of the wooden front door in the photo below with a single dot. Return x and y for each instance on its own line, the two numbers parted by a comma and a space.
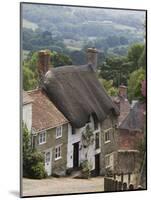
97, 164
76, 155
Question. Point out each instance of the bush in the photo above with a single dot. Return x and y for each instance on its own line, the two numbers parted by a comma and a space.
33, 166
33, 161
86, 169
38, 171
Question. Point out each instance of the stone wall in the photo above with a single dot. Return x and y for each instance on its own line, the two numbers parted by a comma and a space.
129, 139
128, 162
51, 142
111, 146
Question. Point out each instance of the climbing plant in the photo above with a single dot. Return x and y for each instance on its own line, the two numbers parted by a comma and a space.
87, 136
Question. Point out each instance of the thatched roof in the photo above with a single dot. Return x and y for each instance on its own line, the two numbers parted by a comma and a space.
45, 115
135, 120
77, 93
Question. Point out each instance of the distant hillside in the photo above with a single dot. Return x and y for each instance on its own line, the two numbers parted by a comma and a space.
72, 29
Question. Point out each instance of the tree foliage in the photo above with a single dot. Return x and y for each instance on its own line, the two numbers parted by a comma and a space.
119, 68
30, 74
135, 84
108, 85
33, 161
134, 54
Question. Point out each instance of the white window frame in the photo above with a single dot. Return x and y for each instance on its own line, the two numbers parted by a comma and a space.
41, 135
60, 131
58, 152
107, 141
109, 135
110, 157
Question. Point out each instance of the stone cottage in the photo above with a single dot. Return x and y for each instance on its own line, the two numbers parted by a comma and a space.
131, 133
79, 96
48, 128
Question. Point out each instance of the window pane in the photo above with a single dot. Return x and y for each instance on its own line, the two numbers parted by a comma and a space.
44, 137
97, 140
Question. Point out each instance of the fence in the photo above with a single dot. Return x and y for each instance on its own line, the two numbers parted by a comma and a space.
112, 184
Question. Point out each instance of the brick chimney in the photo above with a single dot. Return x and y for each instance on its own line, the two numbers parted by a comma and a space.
43, 64
92, 58
123, 91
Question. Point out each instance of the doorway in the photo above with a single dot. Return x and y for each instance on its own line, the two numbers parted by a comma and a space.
76, 155
97, 164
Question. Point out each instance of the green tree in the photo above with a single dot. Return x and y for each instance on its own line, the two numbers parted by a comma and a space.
33, 161
134, 54
29, 80
114, 69
142, 59
108, 85
30, 74
134, 84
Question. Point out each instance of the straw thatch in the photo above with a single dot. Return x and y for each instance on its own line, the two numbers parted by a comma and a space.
77, 93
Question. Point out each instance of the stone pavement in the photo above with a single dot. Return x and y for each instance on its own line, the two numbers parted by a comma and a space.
49, 186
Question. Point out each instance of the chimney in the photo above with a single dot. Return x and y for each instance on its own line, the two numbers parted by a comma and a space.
123, 91
92, 58
43, 64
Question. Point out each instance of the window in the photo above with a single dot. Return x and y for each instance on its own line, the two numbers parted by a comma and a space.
58, 152
97, 145
107, 136
109, 160
59, 132
42, 137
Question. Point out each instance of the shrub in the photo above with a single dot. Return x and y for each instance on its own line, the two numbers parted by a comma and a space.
33, 166
86, 168
37, 171
33, 161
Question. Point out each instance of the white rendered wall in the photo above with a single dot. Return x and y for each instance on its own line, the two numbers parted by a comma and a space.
27, 115
77, 137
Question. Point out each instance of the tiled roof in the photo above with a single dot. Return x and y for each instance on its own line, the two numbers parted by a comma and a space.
135, 120
26, 98
44, 113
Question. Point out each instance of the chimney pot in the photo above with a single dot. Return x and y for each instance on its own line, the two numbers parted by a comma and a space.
92, 58
123, 91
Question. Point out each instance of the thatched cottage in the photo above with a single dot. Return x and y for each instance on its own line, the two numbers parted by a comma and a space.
89, 113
